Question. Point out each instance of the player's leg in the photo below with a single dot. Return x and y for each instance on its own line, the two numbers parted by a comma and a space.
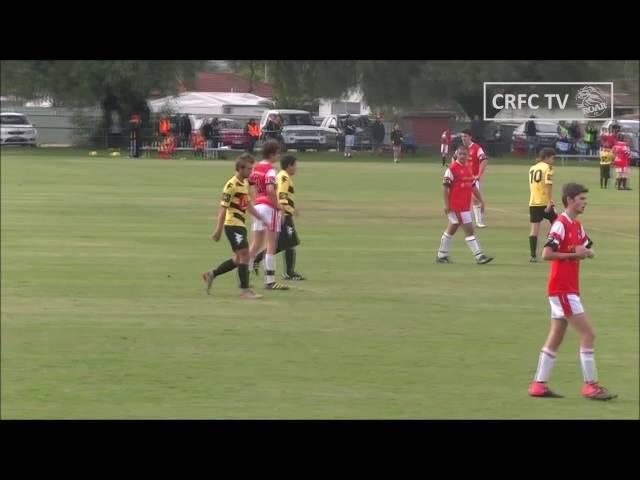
242, 259
607, 175
229, 264
534, 218
258, 236
287, 243
547, 357
477, 210
447, 238
472, 241
602, 174
583, 326
272, 233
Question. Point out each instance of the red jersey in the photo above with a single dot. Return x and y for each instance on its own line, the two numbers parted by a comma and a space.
476, 155
460, 180
622, 153
607, 141
445, 138
565, 234
263, 174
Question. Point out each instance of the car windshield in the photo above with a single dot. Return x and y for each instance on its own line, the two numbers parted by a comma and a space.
297, 119
362, 122
547, 127
14, 120
628, 127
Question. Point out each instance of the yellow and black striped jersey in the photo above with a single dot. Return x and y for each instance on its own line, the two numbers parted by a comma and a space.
540, 175
286, 192
235, 197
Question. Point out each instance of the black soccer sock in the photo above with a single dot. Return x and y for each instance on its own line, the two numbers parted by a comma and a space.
224, 267
443, 161
533, 245
601, 180
243, 274
290, 261
259, 257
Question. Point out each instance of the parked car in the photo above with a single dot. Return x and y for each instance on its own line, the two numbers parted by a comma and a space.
231, 131
333, 126
299, 130
16, 129
547, 136
630, 128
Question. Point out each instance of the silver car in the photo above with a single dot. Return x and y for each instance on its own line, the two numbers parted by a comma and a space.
16, 129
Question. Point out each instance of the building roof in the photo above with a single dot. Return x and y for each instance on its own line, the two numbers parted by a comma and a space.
229, 82
207, 102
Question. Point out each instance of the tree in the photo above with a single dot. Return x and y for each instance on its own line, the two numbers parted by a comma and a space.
123, 85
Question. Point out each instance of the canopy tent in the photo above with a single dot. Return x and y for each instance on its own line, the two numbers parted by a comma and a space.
211, 103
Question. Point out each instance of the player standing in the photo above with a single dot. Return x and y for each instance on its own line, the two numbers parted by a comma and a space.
235, 202
459, 186
478, 163
621, 162
264, 179
566, 246
540, 199
445, 144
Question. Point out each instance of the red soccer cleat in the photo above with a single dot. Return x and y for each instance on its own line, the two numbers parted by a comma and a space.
540, 389
593, 391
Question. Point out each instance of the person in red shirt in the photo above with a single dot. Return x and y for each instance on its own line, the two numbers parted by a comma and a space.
566, 246
263, 180
478, 162
445, 143
459, 186
622, 161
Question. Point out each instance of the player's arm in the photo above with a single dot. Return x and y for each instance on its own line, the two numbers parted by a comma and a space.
227, 194
556, 235
484, 161
446, 189
478, 195
549, 188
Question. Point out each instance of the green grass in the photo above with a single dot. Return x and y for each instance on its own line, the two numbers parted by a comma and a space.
104, 314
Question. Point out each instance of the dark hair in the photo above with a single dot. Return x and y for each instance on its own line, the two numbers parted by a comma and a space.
287, 161
546, 153
572, 190
467, 131
270, 148
621, 136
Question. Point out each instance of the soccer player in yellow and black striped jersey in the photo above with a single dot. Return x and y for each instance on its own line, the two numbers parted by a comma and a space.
233, 207
288, 238
540, 199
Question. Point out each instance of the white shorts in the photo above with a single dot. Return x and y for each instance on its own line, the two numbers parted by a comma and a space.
444, 148
464, 216
271, 214
566, 305
622, 171
349, 140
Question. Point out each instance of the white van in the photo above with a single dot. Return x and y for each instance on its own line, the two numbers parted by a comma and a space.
299, 129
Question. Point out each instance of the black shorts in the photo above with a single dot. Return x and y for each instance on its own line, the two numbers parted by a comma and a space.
537, 214
288, 237
605, 170
237, 236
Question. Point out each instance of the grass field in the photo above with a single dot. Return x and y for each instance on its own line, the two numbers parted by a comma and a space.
104, 313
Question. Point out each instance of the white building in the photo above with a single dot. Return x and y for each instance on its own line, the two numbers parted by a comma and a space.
212, 103
352, 102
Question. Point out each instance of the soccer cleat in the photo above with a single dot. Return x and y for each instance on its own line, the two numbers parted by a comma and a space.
249, 294
483, 259
481, 225
276, 286
207, 278
256, 269
294, 276
443, 260
593, 391
540, 389
533, 260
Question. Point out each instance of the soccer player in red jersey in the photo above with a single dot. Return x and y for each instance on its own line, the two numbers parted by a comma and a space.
478, 163
566, 246
459, 186
622, 161
263, 179
445, 144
